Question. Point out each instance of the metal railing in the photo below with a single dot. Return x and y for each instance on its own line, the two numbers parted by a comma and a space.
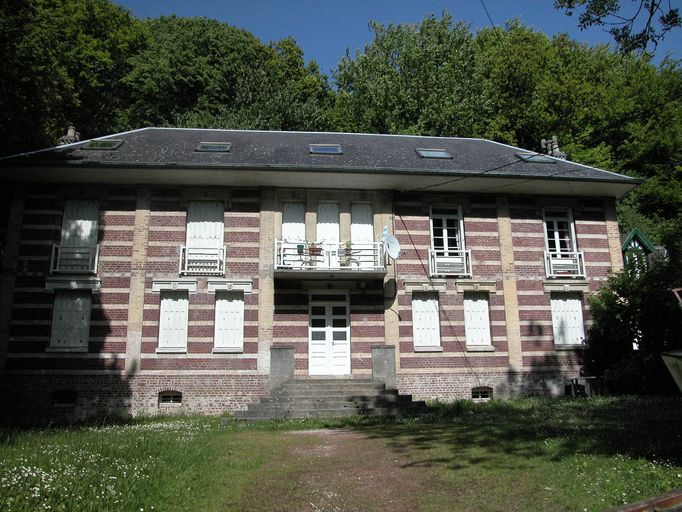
450, 263
74, 260
202, 261
348, 257
564, 264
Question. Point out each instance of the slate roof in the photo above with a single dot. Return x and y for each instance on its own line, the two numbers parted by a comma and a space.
176, 148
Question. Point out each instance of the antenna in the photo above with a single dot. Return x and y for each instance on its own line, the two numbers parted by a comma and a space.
392, 247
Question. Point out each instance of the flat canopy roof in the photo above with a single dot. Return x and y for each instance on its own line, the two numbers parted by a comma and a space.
294, 159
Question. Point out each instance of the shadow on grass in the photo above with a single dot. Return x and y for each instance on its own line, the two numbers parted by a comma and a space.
478, 434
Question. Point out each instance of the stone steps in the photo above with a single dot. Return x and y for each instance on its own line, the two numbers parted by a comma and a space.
331, 398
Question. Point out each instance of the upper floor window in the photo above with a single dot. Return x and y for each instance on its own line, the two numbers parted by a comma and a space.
448, 254
562, 258
204, 252
77, 251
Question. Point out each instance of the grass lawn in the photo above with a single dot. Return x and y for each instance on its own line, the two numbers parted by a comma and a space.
533, 454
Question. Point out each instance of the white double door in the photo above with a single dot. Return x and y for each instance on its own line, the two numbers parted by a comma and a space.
329, 335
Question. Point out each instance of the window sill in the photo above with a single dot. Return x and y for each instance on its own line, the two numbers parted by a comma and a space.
480, 348
77, 350
228, 350
560, 348
171, 350
428, 349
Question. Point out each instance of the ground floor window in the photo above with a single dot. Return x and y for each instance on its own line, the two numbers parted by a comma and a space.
229, 322
425, 320
71, 320
567, 319
477, 319
173, 321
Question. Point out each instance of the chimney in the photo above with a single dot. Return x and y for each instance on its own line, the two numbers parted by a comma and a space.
71, 136
552, 147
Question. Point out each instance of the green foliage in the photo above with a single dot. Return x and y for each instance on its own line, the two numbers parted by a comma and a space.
637, 307
656, 18
202, 73
63, 61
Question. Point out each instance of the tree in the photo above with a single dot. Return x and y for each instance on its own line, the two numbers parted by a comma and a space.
627, 29
198, 72
63, 61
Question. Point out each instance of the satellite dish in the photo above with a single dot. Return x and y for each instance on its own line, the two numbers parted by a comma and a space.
392, 246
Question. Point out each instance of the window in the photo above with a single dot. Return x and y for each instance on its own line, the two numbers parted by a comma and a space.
71, 321
481, 394
77, 250
325, 149
360, 253
104, 145
229, 322
173, 321
214, 147
559, 231
170, 397
448, 256
535, 158
204, 252
425, 320
477, 319
433, 153
567, 319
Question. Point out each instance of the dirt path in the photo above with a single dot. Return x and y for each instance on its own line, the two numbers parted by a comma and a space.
341, 471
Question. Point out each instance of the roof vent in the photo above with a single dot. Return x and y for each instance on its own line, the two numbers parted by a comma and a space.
433, 153
325, 149
214, 147
71, 136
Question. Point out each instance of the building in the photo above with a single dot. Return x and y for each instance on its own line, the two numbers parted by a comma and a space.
160, 266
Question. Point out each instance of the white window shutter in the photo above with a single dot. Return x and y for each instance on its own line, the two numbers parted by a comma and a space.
362, 234
293, 222
71, 320
81, 220
205, 224
173, 321
229, 321
425, 320
567, 319
477, 319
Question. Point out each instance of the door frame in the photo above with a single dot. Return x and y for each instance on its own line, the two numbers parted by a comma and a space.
345, 302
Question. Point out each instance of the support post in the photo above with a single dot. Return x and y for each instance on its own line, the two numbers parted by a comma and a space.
383, 365
281, 365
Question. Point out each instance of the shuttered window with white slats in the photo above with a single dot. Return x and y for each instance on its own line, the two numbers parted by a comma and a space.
229, 322
71, 320
173, 321
477, 319
567, 319
205, 224
425, 319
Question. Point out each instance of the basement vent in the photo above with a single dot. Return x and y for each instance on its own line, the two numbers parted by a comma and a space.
215, 147
104, 145
433, 153
535, 158
170, 397
481, 394
64, 398
325, 149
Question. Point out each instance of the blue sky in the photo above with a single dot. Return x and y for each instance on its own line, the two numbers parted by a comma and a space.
324, 29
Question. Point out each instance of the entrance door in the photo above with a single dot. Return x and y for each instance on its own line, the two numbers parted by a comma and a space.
329, 335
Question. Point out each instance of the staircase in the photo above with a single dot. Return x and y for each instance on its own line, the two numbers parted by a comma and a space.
331, 398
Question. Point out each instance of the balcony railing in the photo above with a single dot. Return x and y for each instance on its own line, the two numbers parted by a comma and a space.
355, 257
450, 263
74, 260
204, 261
564, 264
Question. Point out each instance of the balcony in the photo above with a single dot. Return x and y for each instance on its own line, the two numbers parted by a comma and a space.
450, 262
202, 261
74, 260
564, 264
306, 259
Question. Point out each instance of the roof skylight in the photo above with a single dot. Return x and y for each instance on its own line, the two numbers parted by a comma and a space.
535, 158
104, 145
215, 147
433, 153
326, 149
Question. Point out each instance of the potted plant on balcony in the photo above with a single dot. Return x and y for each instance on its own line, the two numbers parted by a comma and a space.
347, 254
314, 249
